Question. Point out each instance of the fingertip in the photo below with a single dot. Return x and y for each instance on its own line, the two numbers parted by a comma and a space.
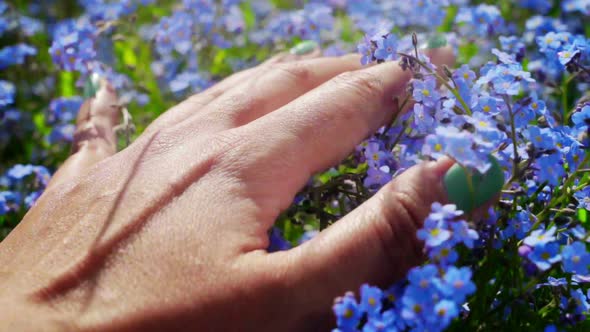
441, 56
441, 166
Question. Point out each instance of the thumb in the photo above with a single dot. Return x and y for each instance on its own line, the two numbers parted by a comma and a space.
375, 243
95, 138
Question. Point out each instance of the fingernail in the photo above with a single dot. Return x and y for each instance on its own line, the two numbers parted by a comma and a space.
436, 41
304, 47
469, 189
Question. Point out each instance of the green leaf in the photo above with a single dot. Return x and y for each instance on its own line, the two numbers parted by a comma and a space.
583, 215
67, 84
447, 25
249, 15
39, 120
466, 52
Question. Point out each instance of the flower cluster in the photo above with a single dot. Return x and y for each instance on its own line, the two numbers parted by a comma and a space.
20, 187
431, 297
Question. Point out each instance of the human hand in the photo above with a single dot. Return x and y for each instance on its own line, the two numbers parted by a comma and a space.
170, 233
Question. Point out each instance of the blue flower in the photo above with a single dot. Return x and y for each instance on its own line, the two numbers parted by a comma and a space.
31, 198
434, 232
540, 237
7, 92
19, 172
575, 5
445, 311
394, 292
542, 6
386, 48
544, 255
575, 258
550, 169
423, 120
459, 145
276, 241
513, 45
61, 133
371, 300
483, 20
377, 178
365, 48
464, 73
580, 301
425, 92
423, 276
553, 282
520, 225
567, 55
376, 155
583, 198
348, 313
175, 33
550, 41
15, 55
542, 138
30, 26
188, 81
415, 304
433, 146
383, 322
317, 17
581, 119
444, 212
9, 201
462, 233
457, 283
443, 255
64, 109
73, 47
550, 328
4, 208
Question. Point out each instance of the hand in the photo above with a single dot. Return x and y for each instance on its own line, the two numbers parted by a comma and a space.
170, 233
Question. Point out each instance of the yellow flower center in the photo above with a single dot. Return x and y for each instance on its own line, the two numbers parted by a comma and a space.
348, 313
576, 259
417, 308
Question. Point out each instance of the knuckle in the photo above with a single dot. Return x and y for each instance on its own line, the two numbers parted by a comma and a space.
364, 86
406, 204
398, 221
297, 72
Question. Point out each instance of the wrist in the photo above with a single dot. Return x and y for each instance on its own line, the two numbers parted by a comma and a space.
27, 315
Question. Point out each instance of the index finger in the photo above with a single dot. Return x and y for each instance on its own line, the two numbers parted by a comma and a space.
321, 128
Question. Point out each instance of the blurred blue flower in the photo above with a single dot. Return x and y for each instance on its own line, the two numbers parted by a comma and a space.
575, 258
15, 55
544, 255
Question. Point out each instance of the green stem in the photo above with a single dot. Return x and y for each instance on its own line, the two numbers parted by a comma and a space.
515, 171
568, 183
442, 81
